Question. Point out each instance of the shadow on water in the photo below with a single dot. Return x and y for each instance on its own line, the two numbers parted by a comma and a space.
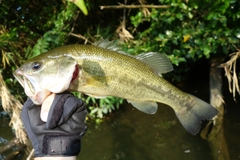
6, 133
232, 127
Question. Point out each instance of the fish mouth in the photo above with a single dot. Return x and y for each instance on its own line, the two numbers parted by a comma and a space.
23, 80
31, 89
37, 90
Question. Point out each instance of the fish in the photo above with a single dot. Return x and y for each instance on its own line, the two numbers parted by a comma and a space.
102, 70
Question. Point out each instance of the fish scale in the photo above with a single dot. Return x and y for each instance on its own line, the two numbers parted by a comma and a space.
118, 84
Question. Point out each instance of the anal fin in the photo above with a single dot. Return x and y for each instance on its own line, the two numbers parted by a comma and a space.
146, 107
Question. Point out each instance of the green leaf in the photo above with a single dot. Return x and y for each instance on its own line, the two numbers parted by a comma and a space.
179, 16
198, 41
183, 6
207, 51
81, 5
94, 110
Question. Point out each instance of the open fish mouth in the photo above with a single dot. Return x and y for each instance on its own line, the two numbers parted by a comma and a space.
31, 89
25, 83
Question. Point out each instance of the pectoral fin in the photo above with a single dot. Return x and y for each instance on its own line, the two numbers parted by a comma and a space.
146, 107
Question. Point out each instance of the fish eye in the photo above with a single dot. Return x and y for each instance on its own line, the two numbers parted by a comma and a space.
36, 66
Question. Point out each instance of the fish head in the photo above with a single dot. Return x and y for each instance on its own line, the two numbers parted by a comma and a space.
43, 75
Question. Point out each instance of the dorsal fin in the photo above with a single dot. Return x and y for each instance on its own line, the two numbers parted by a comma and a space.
157, 61
111, 45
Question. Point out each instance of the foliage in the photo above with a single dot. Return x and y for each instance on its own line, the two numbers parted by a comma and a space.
55, 37
188, 30
101, 106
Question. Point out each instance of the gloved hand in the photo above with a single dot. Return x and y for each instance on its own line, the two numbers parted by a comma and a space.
65, 126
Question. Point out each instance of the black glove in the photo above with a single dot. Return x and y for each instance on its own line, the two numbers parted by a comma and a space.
65, 126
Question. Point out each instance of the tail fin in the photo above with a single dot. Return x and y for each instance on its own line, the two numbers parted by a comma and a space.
191, 119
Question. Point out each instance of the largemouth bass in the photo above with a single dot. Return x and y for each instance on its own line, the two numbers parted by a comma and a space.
102, 70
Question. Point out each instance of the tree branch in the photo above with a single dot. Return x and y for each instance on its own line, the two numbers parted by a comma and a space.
134, 6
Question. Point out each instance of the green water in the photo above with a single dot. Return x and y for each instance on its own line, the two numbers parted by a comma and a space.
132, 135
6, 134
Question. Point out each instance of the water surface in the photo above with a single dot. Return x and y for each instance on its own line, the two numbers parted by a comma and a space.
133, 135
